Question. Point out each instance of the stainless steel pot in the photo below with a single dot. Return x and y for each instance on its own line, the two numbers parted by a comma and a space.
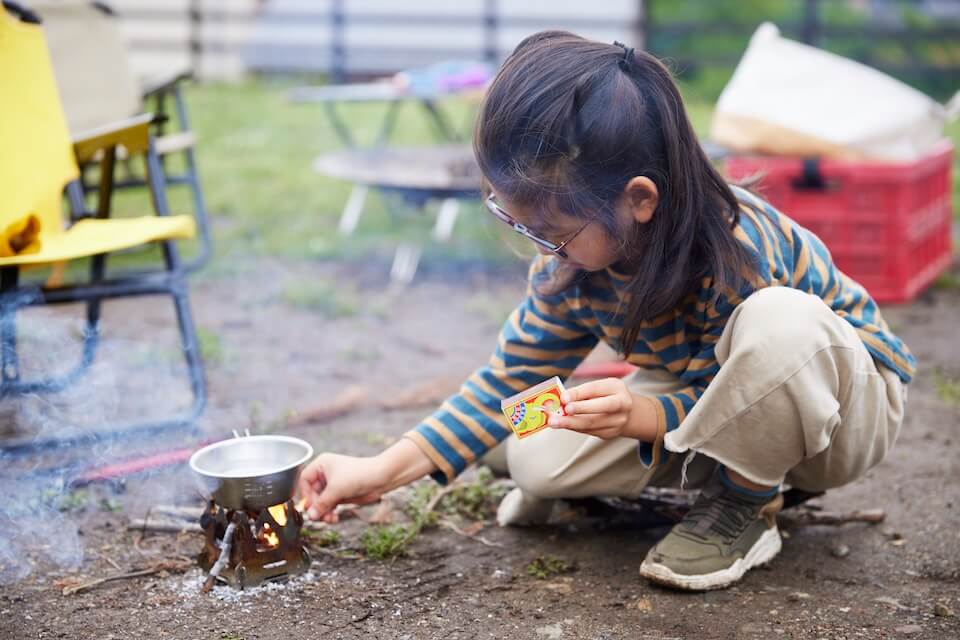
251, 472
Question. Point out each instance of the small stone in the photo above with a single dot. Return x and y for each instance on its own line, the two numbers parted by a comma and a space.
896, 604
943, 611
797, 596
909, 629
840, 550
641, 604
553, 631
898, 542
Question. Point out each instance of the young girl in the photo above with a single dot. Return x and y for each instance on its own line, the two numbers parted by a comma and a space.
753, 350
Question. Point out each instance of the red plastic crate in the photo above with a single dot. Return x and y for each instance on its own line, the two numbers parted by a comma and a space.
886, 225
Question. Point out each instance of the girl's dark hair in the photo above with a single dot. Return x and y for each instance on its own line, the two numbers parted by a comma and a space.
564, 126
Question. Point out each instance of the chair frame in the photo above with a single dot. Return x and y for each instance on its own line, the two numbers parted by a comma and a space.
134, 135
161, 90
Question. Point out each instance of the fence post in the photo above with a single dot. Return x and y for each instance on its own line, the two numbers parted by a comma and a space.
811, 22
643, 24
491, 24
196, 35
338, 54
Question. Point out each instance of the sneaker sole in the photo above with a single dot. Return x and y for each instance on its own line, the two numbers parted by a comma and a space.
765, 549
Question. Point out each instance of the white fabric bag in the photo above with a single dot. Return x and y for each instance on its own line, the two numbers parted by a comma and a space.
788, 98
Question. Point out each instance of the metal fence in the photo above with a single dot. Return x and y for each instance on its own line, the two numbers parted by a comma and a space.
349, 38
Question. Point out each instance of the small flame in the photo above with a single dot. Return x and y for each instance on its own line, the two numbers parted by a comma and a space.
279, 513
270, 538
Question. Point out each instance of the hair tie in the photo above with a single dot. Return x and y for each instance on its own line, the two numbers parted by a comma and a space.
626, 61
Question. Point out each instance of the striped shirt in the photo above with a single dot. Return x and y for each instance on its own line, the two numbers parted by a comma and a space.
549, 335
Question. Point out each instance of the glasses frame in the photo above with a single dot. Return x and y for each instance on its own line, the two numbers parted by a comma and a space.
553, 247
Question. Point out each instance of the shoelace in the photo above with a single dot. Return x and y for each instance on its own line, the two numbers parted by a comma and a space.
721, 514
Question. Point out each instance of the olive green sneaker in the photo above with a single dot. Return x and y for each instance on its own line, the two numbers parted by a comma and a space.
725, 534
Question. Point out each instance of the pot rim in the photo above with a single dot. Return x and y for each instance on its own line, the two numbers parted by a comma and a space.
234, 442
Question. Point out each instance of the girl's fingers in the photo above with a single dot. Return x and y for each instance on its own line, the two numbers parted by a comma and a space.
593, 389
603, 404
583, 424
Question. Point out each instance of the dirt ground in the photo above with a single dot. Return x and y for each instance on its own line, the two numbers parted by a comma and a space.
274, 357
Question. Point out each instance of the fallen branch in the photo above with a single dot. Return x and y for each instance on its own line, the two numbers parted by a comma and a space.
164, 526
807, 518
348, 400
163, 566
425, 394
449, 525
439, 495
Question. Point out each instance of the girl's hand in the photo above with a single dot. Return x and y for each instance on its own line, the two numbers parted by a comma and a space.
332, 479
606, 409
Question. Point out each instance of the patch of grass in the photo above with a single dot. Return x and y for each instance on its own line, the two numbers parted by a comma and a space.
416, 509
948, 280
110, 504
544, 567
325, 538
948, 388
386, 542
327, 298
255, 155
231, 635
476, 500
76, 500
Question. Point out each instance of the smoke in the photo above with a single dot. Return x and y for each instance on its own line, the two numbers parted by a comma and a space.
133, 378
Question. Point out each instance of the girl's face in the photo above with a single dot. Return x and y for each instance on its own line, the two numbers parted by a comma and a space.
584, 243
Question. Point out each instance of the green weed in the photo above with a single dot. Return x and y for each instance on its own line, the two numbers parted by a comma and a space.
544, 567
386, 542
325, 538
948, 388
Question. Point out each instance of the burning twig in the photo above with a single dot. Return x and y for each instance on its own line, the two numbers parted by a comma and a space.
222, 560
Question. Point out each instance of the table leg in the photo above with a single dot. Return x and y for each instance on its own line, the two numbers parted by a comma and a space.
352, 210
405, 262
446, 218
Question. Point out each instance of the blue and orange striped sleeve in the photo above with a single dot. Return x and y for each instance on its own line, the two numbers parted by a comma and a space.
541, 338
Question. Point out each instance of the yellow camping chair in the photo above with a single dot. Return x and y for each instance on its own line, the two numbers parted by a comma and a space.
70, 27
38, 164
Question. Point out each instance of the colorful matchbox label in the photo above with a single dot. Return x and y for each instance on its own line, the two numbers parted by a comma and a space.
527, 411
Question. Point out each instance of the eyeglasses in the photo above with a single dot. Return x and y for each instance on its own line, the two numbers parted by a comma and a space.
503, 216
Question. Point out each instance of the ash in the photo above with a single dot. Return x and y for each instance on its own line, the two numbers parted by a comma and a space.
188, 586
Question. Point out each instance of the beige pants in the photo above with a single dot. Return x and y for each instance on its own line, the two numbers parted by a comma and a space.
798, 399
